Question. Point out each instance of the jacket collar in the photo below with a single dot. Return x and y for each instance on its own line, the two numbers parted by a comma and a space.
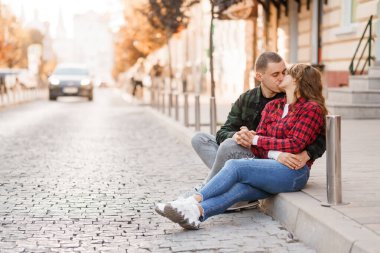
256, 98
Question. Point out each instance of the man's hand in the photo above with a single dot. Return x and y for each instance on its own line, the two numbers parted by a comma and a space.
292, 161
244, 137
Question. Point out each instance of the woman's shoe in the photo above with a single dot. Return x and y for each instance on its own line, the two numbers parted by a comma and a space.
159, 208
195, 190
243, 205
185, 212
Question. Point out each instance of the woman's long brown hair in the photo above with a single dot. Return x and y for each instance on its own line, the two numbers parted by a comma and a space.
309, 84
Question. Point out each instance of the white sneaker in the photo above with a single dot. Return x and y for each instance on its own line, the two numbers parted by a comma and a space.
243, 205
185, 212
159, 208
191, 192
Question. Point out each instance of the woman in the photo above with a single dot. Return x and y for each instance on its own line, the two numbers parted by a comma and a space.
288, 124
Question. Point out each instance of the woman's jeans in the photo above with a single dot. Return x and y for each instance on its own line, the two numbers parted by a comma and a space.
215, 156
249, 179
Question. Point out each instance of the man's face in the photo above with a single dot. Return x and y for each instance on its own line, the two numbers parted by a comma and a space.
272, 77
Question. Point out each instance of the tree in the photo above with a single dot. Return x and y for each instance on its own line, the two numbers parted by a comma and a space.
137, 38
228, 9
15, 40
169, 16
35, 36
125, 53
218, 11
11, 37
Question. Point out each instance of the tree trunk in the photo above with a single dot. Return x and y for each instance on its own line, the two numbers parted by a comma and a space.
212, 50
251, 46
248, 52
169, 61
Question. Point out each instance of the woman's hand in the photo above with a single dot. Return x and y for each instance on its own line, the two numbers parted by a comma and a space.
244, 137
292, 161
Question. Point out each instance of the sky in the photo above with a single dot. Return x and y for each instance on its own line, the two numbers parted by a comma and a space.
48, 10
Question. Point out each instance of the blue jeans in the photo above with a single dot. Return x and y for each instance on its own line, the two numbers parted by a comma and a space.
249, 179
215, 156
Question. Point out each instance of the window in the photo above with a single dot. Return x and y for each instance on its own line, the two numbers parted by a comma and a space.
348, 17
354, 7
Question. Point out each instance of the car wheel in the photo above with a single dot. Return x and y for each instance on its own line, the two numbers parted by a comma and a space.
90, 98
52, 98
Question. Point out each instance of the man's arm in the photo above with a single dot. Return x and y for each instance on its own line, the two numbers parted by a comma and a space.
233, 123
317, 148
304, 130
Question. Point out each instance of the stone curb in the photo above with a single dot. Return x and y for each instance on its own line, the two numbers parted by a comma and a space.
321, 228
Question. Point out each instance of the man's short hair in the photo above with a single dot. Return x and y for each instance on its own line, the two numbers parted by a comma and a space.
264, 59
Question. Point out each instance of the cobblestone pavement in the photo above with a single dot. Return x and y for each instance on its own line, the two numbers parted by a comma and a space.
83, 177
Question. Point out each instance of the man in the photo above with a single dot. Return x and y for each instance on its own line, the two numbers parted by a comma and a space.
232, 141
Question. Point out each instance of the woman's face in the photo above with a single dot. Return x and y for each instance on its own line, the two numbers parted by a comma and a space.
287, 82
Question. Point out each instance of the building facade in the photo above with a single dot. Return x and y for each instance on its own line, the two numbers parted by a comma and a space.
323, 33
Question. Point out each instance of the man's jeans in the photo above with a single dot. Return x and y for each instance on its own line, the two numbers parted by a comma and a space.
249, 179
215, 156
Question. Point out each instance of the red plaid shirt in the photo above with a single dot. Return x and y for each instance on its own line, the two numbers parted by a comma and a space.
293, 133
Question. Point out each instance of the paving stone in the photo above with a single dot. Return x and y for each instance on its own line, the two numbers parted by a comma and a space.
85, 177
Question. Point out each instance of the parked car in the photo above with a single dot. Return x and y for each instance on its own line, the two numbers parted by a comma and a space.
70, 80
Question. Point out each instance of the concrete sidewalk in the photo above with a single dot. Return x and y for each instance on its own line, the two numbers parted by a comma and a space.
354, 227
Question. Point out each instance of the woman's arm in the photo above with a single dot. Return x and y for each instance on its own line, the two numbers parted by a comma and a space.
306, 128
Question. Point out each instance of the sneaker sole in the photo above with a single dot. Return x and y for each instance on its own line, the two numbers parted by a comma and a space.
159, 211
245, 207
172, 214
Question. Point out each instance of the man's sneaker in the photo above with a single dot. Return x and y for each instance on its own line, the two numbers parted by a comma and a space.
185, 212
159, 208
244, 205
192, 192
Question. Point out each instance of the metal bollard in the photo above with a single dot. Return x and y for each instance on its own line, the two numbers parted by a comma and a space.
163, 103
151, 96
154, 97
186, 110
197, 114
158, 96
212, 116
170, 104
333, 159
158, 100
176, 107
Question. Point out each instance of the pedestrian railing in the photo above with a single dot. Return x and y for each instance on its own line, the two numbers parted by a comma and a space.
13, 92
171, 103
354, 69
16, 96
